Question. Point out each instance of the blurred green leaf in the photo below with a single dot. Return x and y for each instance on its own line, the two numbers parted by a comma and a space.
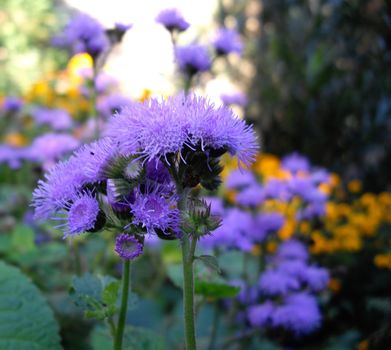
27, 322
215, 290
210, 261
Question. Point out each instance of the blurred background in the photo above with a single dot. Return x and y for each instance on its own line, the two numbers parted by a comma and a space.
313, 77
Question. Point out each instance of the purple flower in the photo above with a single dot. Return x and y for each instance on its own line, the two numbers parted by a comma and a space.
112, 104
156, 171
227, 41
238, 179
82, 214
260, 315
275, 282
12, 156
128, 247
316, 278
292, 250
251, 196
153, 211
12, 104
122, 27
158, 128
233, 233
295, 162
277, 189
193, 59
83, 34
58, 119
270, 222
51, 147
95, 158
172, 19
300, 314
62, 184
237, 98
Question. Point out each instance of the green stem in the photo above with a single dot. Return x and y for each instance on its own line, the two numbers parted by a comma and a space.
124, 306
188, 293
110, 321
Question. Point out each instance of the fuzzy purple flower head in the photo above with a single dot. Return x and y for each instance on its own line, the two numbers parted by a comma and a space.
82, 214
295, 162
193, 59
156, 129
227, 41
83, 34
153, 211
128, 247
237, 98
172, 20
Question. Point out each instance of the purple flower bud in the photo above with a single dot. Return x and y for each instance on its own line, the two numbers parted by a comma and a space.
128, 247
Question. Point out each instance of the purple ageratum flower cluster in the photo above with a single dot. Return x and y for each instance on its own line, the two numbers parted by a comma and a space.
12, 156
295, 162
193, 59
66, 179
57, 119
227, 41
287, 288
50, 147
298, 313
172, 20
156, 129
83, 34
128, 247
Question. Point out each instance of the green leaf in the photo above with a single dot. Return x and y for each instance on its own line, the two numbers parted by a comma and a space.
215, 290
84, 289
110, 293
135, 338
23, 238
210, 261
26, 320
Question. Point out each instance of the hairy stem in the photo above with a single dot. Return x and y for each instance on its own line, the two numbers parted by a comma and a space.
124, 306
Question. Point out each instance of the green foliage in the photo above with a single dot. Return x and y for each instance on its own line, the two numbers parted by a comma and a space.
98, 297
215, 290
27, 322
135, 338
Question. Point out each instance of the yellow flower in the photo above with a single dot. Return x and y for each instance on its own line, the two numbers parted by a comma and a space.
15, 139
355, 186
383, 261
271, 246
287, 230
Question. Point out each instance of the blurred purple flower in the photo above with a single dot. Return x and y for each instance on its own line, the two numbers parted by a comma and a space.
51, 147
227, 41
260, 315
295, 162
83, 34
275, 282
58, 119
193, 59
299, 313
172, 20
292, 249
12, 156
238, 179
12, 104
237, 98
251, 196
